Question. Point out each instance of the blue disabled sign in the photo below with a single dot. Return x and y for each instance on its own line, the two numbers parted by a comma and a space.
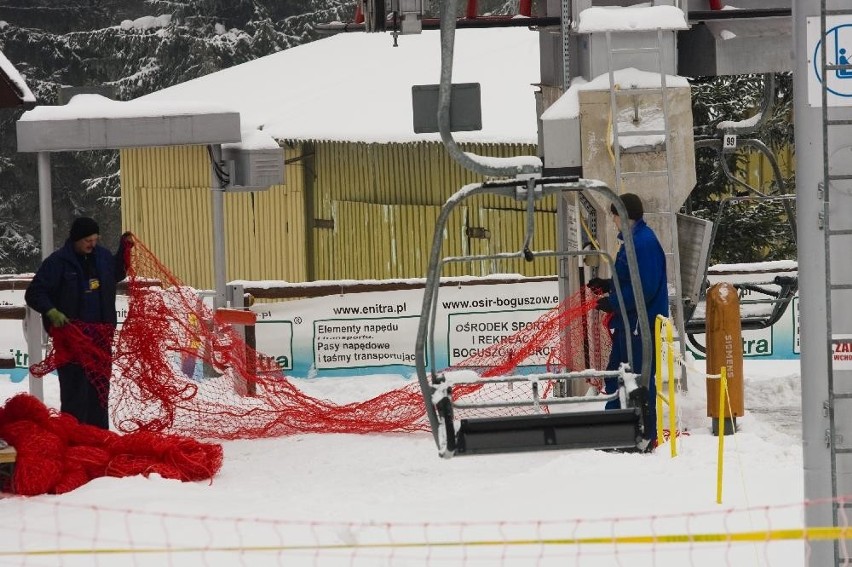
837, 46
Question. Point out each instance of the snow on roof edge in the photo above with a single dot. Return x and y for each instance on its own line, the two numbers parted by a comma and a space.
94, 106
568, 105
631, 18
16, 78
363, 91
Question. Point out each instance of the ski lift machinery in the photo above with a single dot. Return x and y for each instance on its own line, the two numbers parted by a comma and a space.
539, 428
542, 428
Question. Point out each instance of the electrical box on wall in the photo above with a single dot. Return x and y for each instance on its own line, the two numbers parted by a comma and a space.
560, 136
254, 169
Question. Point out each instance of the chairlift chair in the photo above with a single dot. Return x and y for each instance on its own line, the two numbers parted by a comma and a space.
539, 428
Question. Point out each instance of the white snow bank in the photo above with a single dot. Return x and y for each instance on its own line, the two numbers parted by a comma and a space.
632, 78
16, 78
747, 123
147, 22
255, 140
641, 17
97, 106
568, 105
357, 87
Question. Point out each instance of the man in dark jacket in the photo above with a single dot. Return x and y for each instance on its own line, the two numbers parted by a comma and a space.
77, 283
651, 261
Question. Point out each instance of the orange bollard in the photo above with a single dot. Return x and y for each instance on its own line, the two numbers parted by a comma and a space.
725, 349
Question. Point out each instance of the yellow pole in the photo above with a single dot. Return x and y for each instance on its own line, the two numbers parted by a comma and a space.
658, 374
672, 413
723, 389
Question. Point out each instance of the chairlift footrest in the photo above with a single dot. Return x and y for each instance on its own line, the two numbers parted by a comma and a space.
609, 429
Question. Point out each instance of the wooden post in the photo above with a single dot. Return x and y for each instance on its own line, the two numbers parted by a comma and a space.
247, 319
725, 349
251, 359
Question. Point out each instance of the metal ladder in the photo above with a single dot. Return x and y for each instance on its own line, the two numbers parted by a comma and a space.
836, 240
621, 176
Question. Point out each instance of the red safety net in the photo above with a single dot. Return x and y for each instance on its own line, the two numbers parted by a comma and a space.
178, 369
571, 337
56, 453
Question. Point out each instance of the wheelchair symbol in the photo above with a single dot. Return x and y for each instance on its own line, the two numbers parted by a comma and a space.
835, 54
843, 60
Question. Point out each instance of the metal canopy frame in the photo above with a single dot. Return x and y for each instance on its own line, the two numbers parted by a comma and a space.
787, 286
48, 129
127, 125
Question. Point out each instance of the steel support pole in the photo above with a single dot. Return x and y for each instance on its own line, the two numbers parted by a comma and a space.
812, 291
33, 330
34, 335
217, 194
45, 204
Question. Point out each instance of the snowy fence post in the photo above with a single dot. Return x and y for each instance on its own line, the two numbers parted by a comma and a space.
669, 399
725, 348
723, 390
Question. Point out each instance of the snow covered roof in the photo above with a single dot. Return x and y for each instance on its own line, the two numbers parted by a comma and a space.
13, 90
93, 122
641, 17
84, 106
568, 105
357, 86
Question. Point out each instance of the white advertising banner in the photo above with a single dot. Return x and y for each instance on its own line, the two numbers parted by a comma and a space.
375, 332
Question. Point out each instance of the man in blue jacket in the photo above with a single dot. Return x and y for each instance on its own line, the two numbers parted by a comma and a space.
651, 261
77, 283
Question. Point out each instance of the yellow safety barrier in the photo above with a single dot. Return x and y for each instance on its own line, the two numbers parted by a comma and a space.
723, 393
818, 533
658, 377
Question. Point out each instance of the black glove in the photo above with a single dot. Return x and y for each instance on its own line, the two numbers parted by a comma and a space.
599, 285
605, 305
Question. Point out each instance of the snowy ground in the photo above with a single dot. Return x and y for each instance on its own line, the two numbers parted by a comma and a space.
390, 500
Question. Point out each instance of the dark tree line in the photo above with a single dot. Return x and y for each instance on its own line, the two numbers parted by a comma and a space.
749, 230
133, 47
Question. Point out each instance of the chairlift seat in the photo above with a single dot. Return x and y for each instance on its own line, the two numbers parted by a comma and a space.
609, 429
760, 313
621, 429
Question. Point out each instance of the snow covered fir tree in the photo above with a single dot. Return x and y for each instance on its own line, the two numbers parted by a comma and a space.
129, 48
750, 229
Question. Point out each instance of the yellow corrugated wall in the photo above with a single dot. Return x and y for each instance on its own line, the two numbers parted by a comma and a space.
507, 232
758, 171
409, 183
372, 207
372, 241
166, 201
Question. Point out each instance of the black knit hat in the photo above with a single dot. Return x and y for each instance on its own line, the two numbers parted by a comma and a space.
633, 204
83, 227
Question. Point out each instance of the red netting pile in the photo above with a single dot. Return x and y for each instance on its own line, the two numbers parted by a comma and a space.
571, 337
56, 453
152, 389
